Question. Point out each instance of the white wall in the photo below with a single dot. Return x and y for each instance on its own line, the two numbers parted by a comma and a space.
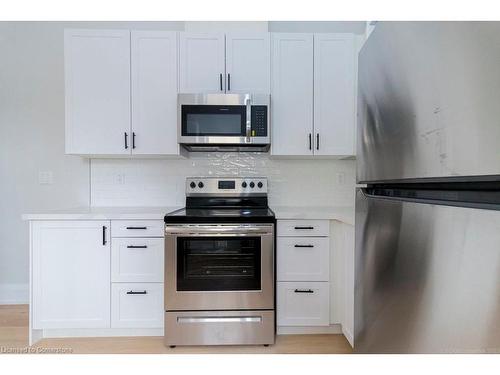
32, 141
32, 138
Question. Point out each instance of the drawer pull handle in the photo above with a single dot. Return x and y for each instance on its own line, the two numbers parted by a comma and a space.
304, 245
137, 228
304, 291
132, 292
304, 227
137, 246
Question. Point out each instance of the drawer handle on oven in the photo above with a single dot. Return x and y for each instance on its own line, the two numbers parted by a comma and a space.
137, 227
132, 292
304, 245
220, 319
137, 246
304, 291
304, 227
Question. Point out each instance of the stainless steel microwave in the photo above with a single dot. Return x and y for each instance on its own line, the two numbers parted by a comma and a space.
224, 122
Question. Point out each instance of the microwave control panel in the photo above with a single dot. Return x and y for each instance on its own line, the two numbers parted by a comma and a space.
259, 121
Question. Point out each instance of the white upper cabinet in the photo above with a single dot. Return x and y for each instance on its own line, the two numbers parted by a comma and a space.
292, 94
154, 93
334, 94
97, 91
71, 274
202, 65
248, 63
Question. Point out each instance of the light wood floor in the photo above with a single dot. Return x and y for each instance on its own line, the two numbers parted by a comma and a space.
14, 333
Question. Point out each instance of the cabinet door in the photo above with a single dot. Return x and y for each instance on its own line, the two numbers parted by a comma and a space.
154, 93
137, 260
202, 65
248, 63
303, 228
292, 94
303, 258
302, 303
334, 94
71, 274
137, 305
97, 91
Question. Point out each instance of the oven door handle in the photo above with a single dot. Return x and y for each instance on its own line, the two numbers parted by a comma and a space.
229, 229
220, 319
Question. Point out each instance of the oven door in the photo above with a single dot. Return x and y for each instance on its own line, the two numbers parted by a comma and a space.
219, 267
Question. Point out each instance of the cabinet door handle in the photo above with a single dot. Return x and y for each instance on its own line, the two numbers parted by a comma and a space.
133, 140
220, 80
310, 228
126, 140
137, 228
304, 246
132, 292
310, 141
104, 242
317, 141
228, 81
137, 247
304, 291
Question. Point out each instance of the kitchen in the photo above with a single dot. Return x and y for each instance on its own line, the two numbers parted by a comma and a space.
137, 172
229, 187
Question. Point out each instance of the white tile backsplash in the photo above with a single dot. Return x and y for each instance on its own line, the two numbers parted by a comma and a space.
159, 182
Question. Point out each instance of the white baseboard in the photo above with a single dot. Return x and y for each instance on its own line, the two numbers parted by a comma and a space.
334, 329
101, 332
349, 336
14, 294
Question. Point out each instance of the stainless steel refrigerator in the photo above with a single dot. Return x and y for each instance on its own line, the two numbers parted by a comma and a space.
427, 257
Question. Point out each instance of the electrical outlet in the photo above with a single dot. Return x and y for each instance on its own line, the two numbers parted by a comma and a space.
45, 178
120, 178
340, 178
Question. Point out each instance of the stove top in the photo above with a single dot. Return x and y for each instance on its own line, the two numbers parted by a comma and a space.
221, 215
224, 200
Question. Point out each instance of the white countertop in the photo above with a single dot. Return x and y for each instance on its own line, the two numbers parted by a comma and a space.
102, 213
343, 214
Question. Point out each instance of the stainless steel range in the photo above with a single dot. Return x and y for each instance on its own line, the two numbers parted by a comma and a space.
219, 265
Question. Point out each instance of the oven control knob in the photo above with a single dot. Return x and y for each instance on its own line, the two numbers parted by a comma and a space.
260, 184
200, 184
252, 184
244, 184
192, 184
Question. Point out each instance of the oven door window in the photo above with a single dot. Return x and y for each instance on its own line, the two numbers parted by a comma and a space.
218, 264
213, 120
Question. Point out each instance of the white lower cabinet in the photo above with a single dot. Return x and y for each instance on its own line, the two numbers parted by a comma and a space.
70, 279
137, 259
137, 305
303, 228
137, 228
303, 272
303, 303
303, 259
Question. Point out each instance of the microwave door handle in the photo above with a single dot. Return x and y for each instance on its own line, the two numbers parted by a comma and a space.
248, 103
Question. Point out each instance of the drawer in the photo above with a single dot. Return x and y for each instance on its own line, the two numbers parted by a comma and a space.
303, 259
137, 259
219, 327
303, 228
303, 303
137, 228
136, 305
